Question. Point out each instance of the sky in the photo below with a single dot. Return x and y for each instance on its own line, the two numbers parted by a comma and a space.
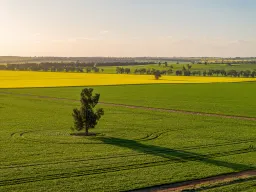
128, 28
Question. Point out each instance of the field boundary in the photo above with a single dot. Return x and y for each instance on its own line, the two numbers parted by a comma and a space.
142, 107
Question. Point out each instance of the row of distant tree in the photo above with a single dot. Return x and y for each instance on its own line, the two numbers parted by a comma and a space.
51, 66
224, 73
66, 68
200, 60
186, 71
77, 66
92, 68
8, 59
228, 62
142, 71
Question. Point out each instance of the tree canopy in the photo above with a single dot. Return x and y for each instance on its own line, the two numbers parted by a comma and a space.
87, 117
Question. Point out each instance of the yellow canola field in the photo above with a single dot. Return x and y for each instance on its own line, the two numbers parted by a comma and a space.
19, 79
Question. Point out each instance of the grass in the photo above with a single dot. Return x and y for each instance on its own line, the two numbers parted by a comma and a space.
18, 79
134, 148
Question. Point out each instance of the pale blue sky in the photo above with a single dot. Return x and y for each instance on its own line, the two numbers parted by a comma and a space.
128, 27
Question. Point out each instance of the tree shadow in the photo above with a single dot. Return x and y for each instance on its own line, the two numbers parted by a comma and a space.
178, 155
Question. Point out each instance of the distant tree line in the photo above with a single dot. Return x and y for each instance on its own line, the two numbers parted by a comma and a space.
200, 60
14, 59
144, 71
227, 62
224, 73
95, 67
187, 71
67, 67
122, 70
51, 68
152, 71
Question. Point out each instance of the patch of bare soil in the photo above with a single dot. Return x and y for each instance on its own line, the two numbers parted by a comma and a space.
205, 183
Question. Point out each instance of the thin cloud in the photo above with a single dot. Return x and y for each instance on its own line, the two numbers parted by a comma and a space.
57, 41
36, 34
104, 32
99, 37
82, 38
234, 42
72, 40
88, 38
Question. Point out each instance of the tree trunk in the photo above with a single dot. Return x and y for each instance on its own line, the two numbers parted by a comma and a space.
86, 131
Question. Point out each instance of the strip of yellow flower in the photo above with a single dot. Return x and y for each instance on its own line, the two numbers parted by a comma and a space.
18, 79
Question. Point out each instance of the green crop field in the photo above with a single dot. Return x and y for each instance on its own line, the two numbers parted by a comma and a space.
225, 98
134, 147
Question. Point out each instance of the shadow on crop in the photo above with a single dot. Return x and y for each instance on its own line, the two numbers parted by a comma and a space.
177, 155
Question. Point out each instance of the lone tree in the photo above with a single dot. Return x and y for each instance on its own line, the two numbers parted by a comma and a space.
157, 74
87, 117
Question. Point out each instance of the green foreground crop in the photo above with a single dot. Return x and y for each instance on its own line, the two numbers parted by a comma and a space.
134, 148
221, 98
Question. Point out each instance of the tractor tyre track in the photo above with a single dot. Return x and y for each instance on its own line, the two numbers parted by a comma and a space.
130, 154
142, 107
230, 178
121, 167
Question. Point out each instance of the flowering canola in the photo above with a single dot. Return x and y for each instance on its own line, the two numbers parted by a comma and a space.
19, 79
